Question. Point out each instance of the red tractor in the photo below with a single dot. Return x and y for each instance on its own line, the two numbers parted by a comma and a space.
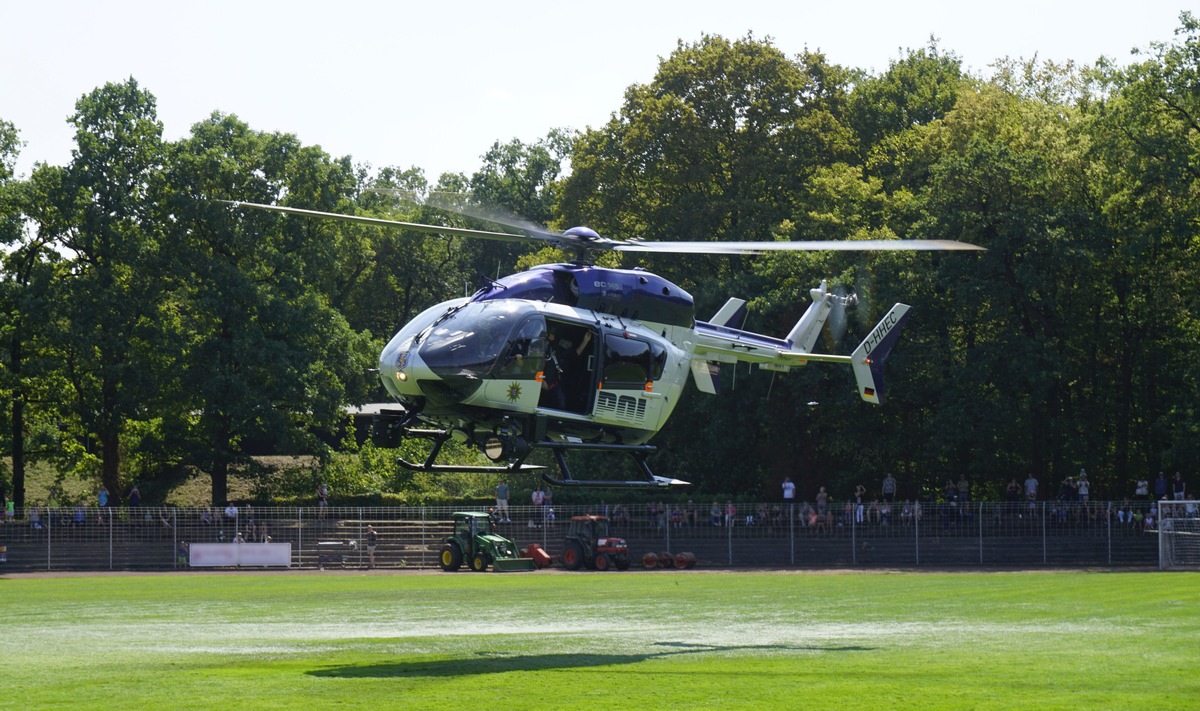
589, 544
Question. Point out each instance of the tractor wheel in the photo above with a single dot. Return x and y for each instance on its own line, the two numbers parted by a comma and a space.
622, 563
451, 559
479, 563
603, 562
572, 557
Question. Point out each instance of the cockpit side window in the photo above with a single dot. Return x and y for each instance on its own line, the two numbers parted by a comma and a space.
522, 356
627, 362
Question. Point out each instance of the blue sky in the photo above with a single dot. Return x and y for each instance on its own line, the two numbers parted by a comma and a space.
433, 85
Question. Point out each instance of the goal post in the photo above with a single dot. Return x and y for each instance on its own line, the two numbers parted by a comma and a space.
1178, 535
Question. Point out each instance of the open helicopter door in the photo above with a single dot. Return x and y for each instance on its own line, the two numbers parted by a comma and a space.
569, 368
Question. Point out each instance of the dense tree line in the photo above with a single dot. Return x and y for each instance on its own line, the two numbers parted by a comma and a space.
147, 327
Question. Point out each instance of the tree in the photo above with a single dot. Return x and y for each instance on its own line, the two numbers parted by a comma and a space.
99, 211
265, 357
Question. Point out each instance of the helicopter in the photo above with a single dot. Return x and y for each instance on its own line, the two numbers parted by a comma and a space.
578, 357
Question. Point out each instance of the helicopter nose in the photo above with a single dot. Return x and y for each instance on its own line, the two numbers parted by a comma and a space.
405, 373
450, 389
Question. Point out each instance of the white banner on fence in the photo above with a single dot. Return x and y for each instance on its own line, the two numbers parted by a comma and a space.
217, 555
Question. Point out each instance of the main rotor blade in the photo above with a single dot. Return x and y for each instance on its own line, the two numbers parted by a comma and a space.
867, 245
595, 243
415, 226
439, 200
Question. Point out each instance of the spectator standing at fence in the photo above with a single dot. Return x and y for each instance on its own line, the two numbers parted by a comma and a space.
502, 501
1031, 488
714, 514
889, 488
135, 498
1179, 487
730, 513
620, 515
1142, 490
1083, 486
1160, 487
789, 491
964, 489
322, 499
822, 502
80, 514
231, 512
1012, 493
372, 541
1125, 512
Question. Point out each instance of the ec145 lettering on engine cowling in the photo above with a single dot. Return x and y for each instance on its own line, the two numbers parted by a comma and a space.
568, 357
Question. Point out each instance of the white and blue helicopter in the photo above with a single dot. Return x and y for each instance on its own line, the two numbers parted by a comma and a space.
570, 357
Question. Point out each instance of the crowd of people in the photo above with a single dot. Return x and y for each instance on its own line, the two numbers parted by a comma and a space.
1071, 501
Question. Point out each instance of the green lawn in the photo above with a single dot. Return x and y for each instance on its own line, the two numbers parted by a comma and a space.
689, 640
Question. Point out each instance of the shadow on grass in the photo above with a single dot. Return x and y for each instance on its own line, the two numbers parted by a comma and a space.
499, 663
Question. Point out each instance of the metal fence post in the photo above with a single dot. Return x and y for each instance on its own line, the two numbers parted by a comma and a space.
792, 530
980, 514
1108, 529
917, 532
729, 538
1045, 553
854, 536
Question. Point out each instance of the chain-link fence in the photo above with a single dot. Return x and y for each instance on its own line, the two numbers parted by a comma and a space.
904, 534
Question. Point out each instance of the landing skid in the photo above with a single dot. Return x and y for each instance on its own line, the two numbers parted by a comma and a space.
638, 452
439, 438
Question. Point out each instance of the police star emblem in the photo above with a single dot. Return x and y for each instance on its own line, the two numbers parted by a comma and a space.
514, 392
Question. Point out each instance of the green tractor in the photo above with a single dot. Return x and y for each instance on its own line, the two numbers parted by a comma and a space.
476, 543
589, 544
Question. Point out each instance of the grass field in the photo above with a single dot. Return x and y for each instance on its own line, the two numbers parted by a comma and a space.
645, 640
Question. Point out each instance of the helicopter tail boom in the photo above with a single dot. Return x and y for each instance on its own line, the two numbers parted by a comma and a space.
717, 344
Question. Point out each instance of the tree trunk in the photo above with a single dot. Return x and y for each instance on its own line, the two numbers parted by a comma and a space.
220, 482
110, 453
18, 452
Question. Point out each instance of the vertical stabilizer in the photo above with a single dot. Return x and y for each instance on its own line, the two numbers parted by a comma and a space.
869, 357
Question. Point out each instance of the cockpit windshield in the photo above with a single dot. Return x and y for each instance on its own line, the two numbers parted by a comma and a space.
487, 339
